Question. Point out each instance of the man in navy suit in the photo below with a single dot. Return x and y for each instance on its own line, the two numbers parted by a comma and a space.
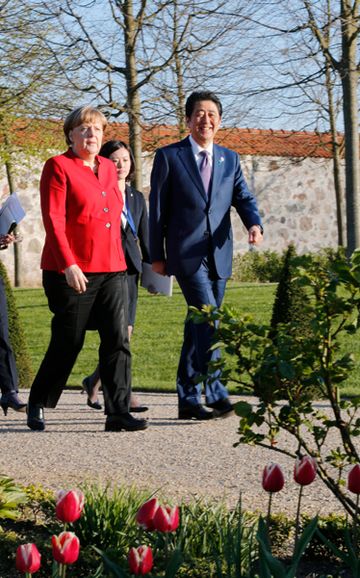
194, 184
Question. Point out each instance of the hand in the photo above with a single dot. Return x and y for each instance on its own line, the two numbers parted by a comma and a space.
6, 240
255, 235
75, 278
159, 267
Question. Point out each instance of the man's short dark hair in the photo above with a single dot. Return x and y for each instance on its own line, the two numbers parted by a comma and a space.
201, 95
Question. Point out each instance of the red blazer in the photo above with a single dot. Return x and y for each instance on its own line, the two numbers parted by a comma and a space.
82, 215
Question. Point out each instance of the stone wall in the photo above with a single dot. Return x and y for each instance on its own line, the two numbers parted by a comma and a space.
296, 199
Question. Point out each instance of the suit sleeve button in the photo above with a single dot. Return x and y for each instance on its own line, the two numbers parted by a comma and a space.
108, 225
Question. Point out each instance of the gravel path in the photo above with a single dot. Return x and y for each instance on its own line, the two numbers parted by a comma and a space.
181, 459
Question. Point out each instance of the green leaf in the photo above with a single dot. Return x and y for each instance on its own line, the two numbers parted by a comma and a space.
174, 564
243, 408
113, 567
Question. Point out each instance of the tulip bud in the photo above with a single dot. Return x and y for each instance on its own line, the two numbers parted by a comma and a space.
140, 560
166, 519
354, 479
273, 478
305, 470
28, 558
65, 548
145, 514
69, 505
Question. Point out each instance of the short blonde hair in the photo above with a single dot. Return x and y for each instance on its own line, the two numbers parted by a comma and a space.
79, 116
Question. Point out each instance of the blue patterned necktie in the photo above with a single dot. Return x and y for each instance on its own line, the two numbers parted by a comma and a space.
205, 170
128, 217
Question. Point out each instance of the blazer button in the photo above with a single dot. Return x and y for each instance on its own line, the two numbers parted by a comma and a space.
206, 233
105, 209
108, 225
103, 194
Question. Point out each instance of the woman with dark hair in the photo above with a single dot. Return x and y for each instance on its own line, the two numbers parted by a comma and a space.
134, 234
84, 272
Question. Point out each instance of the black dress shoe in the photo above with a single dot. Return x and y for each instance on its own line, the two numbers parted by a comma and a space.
35, 418
222, 407
88, 388
138, 408
94, 404
194, 412
124, 421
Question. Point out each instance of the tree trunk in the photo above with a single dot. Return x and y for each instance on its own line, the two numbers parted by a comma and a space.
133, 98
17, 250
339, 194
349, 79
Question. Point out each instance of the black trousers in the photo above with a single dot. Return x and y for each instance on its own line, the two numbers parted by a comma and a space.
105, 303
8, 373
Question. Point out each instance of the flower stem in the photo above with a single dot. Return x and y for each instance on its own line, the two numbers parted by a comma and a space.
268, 517
297, 524
356, 525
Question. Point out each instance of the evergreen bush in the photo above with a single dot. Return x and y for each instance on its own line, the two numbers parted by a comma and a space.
17, 335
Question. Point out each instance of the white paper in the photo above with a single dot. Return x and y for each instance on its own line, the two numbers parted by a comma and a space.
11, 212
154, 282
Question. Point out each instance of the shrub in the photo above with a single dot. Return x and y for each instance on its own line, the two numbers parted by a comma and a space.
17, 335
257, 267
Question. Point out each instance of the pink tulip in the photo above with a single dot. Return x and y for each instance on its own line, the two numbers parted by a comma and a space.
166, 519
140, 560
353, 482
145, 514
273, 478
305, 470
65, 548
28, 558
69, 505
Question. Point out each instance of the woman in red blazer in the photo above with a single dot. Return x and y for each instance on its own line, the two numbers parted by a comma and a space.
84, 271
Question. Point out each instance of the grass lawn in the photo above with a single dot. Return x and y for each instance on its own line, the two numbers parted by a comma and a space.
158, 333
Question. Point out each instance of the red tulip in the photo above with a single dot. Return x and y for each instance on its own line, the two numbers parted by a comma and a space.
166, 519
28, 558
69, 505
140, 560
65, 548
354, 479
273, 478
145, 514
305, 470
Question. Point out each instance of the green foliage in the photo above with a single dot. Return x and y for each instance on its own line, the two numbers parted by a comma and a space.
257, 267
271, 566
332, 527
108, 519
11, 497
312, 360
17, 335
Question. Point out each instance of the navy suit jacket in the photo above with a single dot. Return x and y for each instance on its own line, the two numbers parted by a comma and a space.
131, 247
185, 222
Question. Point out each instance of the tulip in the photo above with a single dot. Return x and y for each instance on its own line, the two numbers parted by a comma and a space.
69, 505
65, 548
353, 481
28, 558
145, 514
166, 519
305, 470
273, 478
140, 560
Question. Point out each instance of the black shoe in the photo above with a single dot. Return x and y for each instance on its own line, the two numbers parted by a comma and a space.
222, 407
88, 388
12, 400
194, 412
138, 408
35, 418
94, 404
124, 421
